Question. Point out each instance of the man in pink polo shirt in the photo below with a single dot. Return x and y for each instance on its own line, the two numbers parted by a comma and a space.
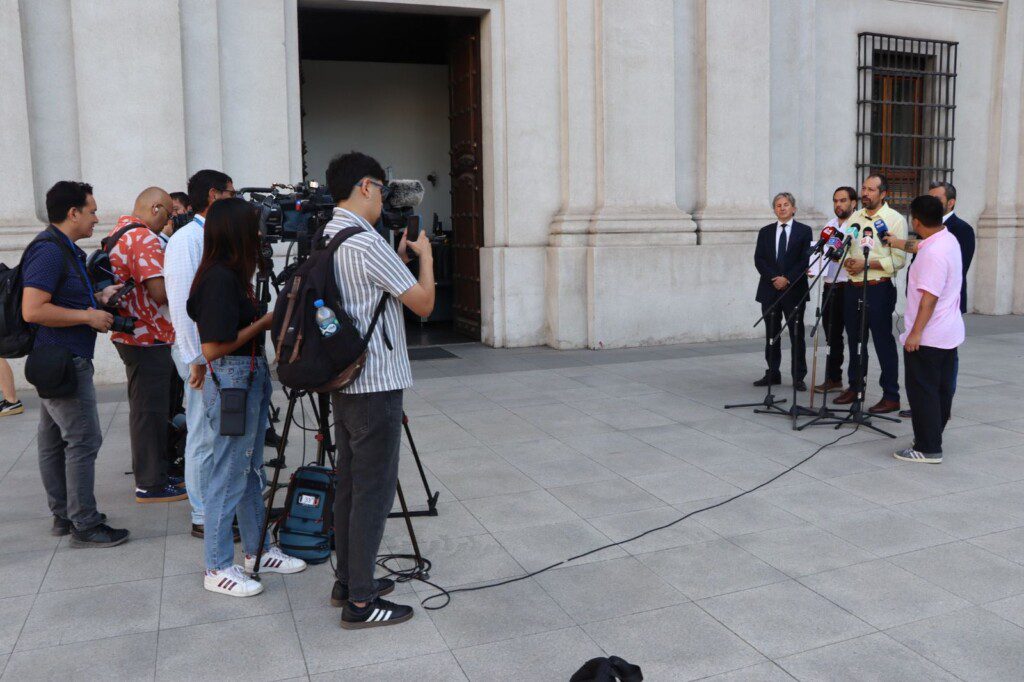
935, 327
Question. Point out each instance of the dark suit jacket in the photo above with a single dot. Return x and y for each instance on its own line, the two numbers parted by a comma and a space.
794, 265
964, 234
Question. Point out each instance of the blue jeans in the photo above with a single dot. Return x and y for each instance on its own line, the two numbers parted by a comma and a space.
235, 486
198, 444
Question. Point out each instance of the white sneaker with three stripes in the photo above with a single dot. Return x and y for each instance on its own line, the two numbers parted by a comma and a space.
232, 582
912, 455
275, 561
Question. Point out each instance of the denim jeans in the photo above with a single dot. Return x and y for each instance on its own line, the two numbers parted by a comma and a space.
198, 444
69, 439
235, 485
368, 431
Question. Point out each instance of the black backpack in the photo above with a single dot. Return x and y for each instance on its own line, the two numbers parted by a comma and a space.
98, 263
307, 360
16, 335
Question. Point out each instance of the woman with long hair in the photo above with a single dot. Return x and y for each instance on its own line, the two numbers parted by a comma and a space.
236, 396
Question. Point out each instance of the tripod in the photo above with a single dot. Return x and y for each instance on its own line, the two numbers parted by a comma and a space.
769, 405
325, 453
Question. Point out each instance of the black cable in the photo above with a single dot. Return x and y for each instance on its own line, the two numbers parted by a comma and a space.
442, 592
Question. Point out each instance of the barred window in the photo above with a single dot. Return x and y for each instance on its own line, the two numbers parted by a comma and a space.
906, 111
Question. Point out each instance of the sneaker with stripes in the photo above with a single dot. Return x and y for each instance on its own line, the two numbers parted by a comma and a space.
275, 561
232, 582
912, 455
376, 613
9, 409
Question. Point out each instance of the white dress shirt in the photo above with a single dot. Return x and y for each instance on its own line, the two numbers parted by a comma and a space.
833, 273
778, 233
181, 260
946, 217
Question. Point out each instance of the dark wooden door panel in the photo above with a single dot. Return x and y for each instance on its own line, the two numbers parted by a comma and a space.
466, 175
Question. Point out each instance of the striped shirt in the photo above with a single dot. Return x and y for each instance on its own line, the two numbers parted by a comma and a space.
366, 267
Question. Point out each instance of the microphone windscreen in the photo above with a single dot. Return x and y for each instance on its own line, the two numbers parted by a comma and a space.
405, 193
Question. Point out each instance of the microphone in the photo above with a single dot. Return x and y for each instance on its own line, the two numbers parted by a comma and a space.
823, 238
835, 247
405, 193
881, 229
867, 240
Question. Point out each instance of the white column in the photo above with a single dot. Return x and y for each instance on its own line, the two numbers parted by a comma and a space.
735, 153
200, 55
254, 91
636, 127
131, 122
999, 264
17, 205
51, 93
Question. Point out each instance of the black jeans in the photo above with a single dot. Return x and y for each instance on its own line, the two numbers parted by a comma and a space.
833, 324
798, 347
929, 378
149, 370
881, 300
368, 430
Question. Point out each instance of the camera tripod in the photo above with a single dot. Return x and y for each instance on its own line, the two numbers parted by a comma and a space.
321, 407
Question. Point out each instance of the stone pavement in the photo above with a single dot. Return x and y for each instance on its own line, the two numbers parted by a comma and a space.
854, 566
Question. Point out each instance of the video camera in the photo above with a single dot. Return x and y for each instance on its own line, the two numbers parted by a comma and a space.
402, 198
290, 212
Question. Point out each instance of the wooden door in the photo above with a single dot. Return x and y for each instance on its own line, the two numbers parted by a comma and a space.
466, 174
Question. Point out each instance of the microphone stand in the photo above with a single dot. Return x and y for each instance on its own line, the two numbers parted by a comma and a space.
770, 404
858, 415
772, 307
825, 414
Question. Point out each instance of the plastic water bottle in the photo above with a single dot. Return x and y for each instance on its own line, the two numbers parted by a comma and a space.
325, 318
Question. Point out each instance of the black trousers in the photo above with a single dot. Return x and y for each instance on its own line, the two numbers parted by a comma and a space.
881, 300
930, 377
794, 315
149, 370
368, 429
832, 320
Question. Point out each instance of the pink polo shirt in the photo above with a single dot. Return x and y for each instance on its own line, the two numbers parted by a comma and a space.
937, 269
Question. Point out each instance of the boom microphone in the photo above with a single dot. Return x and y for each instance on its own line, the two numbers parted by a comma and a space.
405, 193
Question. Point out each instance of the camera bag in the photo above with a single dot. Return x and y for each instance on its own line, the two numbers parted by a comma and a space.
307, 360
306, 530
101, 272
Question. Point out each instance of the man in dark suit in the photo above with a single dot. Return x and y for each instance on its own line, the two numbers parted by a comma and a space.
781, 258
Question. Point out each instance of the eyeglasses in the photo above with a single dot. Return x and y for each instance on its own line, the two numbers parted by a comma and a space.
385, 191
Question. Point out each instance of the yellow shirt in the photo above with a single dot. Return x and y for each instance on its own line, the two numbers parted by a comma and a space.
891, 260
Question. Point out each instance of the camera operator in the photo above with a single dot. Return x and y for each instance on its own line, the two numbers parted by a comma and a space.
146, 352
58, 297
368, 413
184, 251
223, 304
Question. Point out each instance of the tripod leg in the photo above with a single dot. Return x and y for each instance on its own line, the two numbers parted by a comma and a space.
431, 496
408, 524
282, 443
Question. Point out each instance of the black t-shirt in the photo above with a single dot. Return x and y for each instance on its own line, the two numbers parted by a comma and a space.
221, 306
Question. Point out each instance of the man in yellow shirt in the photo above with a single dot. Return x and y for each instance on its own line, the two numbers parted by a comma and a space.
882, 265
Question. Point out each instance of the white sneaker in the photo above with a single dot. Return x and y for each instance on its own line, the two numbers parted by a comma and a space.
275, 561
233, 582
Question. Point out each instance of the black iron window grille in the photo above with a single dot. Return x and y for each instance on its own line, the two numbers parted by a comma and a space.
906, 112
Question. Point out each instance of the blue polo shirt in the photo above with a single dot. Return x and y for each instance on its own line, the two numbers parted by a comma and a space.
46, 266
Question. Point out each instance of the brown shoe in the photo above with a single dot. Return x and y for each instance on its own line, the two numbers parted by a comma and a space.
883, 406
846, 397
828, 386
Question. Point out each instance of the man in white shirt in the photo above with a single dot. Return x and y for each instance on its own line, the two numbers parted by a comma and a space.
181, 260
844, 203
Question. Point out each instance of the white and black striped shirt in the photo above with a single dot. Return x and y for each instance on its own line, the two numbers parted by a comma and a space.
366, 266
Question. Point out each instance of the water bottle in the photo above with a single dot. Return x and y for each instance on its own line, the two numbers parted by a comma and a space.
325, 318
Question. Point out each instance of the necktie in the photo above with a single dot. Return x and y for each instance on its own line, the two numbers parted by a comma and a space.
780, 253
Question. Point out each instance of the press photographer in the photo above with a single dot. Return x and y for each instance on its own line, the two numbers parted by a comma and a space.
136, 254
368, 413
58, 298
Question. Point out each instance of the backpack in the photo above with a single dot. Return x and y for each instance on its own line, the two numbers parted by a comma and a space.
306, 530
16, 335
101, 272
307, 360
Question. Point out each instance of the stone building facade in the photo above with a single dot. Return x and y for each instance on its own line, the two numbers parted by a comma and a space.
630, 147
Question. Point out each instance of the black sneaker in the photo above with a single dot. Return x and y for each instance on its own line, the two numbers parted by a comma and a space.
99, 536
763, 381
9, 409
376, 613
62, 527
339, 595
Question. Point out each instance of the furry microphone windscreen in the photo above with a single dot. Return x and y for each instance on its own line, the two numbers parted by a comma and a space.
405, 193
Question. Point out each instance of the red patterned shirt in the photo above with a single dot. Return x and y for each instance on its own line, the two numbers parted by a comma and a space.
139, 254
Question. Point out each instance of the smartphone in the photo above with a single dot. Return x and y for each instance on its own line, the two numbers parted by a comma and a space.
412, 232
